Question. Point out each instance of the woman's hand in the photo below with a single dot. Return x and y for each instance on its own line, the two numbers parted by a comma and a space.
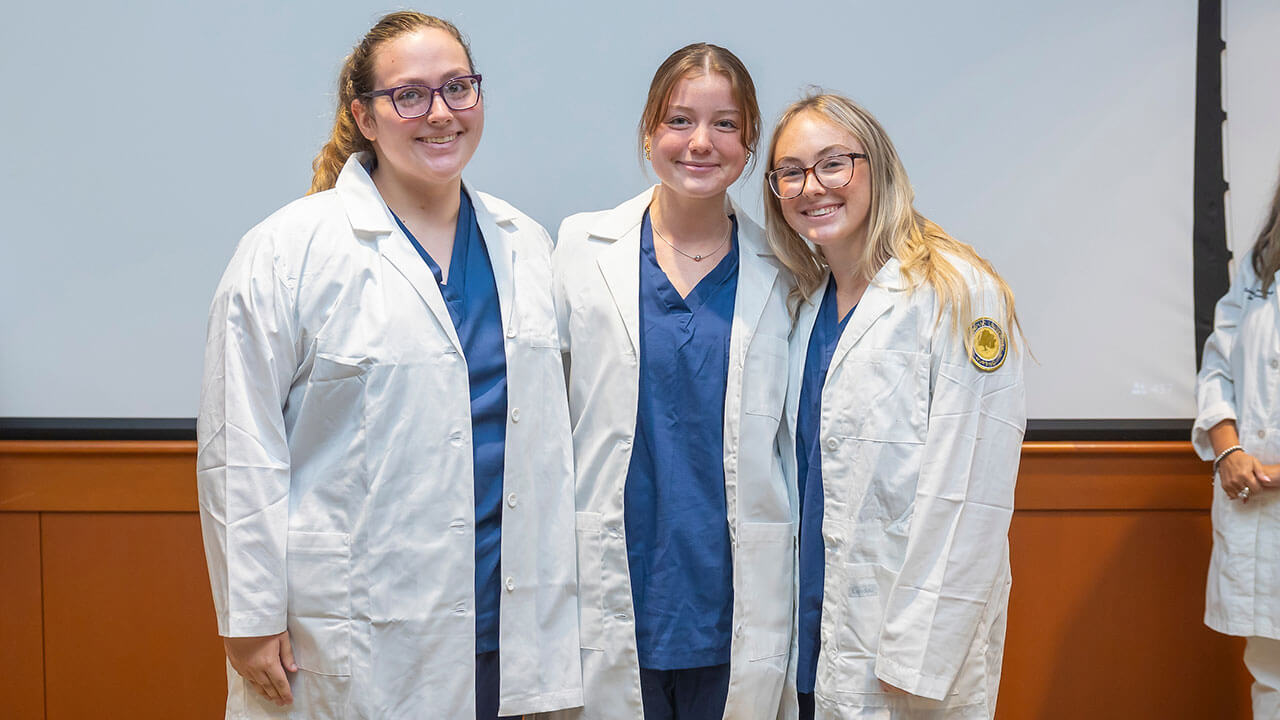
262, 662
1240, 470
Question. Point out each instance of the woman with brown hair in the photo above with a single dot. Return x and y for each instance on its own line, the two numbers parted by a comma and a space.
384, 460
905, 416
1238, 428
673, 319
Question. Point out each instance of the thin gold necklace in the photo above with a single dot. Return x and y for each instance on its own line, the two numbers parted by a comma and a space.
695, 258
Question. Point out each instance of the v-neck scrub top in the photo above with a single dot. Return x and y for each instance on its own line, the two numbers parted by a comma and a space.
827, 328
471, 294
677, 534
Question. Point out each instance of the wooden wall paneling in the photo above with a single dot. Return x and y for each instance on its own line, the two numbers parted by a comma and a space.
1112, 476
1110, 546
1106, 620
130, 630
22, 658
97, 476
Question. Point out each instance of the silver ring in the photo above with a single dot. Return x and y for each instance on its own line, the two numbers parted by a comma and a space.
1244, 494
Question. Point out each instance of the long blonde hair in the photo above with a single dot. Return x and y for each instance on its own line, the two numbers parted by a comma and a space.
1266, 252
356, 78
894, 227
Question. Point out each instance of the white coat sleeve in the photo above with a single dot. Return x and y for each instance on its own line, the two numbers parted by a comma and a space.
242, 461
559, 258
1215, 387
959, 528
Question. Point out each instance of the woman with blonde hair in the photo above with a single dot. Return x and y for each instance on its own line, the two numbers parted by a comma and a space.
384, 461
905, 417
1237, 428
673, 316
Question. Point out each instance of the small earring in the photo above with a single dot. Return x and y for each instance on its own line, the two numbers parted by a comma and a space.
646, 149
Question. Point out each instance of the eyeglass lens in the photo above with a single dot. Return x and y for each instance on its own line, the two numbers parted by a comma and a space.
415, 100
833, 172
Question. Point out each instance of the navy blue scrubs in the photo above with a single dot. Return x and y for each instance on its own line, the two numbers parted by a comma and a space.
471, 294
678, 551
827, 328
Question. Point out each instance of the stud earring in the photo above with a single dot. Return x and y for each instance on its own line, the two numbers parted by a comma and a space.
647, 156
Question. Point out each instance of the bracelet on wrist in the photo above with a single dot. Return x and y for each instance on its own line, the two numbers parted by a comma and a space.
1222, 456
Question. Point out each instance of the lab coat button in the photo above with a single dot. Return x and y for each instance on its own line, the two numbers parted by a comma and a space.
511, 500
515, 415
832, 443
511, 331
511, 584
1262, 433
622, 616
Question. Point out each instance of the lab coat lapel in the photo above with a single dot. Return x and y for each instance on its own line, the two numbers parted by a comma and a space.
799, 350
620, 262
398, 251
757, 270
495, 225
369, 215
876, 301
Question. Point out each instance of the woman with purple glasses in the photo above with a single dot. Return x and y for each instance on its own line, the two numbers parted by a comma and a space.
384, 459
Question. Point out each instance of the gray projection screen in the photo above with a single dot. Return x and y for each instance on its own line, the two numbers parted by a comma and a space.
1056, 138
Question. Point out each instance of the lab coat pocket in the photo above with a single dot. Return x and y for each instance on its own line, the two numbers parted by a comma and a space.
764, 376
858, 633
888, 394
330, 367
319, 578
766, 561
590, 572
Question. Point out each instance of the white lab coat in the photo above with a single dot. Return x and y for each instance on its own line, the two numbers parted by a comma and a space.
920, 452
1240, 380
334, 466
597, 276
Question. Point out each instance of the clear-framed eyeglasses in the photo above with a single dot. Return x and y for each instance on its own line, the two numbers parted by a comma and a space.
414, 101
831, 172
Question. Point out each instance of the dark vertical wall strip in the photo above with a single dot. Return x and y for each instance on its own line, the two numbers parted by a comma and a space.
1209, 226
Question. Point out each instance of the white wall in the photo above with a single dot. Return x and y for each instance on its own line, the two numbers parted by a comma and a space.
145, 138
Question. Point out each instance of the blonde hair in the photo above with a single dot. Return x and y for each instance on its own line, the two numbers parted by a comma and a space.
1266, 252
356, 78
694, 60
894, 227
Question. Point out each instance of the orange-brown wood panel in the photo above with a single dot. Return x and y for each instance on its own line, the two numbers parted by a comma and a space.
97, 476
1110, 546
22, 658
129, 625
1105, 620
1112, 476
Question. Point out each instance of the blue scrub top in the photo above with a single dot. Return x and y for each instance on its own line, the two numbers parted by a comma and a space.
678, 550
472, 298
827, 329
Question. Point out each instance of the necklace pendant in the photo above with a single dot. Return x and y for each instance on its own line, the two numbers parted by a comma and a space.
697, 258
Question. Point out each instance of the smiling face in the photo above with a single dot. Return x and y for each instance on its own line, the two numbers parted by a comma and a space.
697, 148
827, 217
432, 149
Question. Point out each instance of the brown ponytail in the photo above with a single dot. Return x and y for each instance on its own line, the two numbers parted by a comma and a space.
1266, 252
355, 79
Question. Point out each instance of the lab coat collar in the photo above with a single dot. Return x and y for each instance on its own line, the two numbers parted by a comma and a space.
496, 219
620, 263
368, 213
880, 295
757, 272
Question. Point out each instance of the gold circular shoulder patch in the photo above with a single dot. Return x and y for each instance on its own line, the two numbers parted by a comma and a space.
989, 344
